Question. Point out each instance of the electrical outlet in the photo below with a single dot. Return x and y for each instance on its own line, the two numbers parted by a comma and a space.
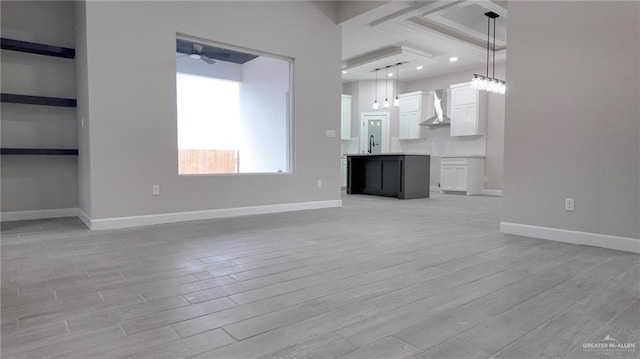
569, 204
319, 183
156, 189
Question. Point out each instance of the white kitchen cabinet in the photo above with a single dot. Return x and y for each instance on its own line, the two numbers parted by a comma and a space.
415, 107
345, 117
409, 125
468, 110
462, 174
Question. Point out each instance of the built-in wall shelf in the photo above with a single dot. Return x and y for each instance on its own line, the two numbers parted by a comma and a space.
38, 100
36, 48
39, 151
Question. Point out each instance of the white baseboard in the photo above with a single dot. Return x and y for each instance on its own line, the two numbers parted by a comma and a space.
562, 235
486, 192
38, 214
492, 192
136, 221
84, 217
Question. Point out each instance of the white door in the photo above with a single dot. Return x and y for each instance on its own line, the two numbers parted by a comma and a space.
460, 178
447, 178
471, 119
414, 127
458, 120
374, 132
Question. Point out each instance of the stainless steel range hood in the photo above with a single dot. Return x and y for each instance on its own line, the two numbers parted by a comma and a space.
436, 121
439, 107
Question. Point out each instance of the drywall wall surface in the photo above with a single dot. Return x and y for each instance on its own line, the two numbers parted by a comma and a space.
33, 183
82, 110
47, 22
263, 115
133, 140
572, 109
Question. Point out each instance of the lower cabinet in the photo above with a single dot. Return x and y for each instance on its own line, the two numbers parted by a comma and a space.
462, 174
397, 175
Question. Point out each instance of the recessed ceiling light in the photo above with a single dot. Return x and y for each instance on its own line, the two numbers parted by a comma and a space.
390, 74
419, 67
453, 59
344, 71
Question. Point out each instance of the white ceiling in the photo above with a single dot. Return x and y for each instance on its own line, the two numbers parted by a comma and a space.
419, 33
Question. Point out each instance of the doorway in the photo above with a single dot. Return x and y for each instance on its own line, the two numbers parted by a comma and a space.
374, 132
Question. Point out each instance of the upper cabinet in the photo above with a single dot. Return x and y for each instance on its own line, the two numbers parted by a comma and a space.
345, 117
468, 110
415, 107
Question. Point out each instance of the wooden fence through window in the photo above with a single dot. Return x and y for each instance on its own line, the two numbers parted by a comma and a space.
208, 161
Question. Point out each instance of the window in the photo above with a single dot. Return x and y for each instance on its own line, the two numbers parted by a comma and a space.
233, 110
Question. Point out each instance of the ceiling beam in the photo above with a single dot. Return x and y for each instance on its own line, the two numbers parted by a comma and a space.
385, 53
351, 11
415, 10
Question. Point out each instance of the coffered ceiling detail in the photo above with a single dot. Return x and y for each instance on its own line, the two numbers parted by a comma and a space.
421, 33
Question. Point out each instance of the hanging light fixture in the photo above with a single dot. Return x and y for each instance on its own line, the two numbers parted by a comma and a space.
396, 101
376, 105
385, 104
486, 83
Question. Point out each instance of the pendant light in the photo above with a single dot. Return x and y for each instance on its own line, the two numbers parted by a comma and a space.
396, 101
385, 104
376, 105
486, 83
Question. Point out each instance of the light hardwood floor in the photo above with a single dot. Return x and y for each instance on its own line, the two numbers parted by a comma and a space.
378, 278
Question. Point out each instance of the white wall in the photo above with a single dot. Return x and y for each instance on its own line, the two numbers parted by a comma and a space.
38, 182
132, 130
263, 111
572, 105
82, 91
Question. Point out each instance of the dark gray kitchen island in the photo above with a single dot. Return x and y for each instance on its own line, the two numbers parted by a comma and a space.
398, 175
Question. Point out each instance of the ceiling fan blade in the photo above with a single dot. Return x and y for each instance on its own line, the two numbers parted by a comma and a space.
207, 59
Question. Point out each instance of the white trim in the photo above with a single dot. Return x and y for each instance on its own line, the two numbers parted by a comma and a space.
84, 217
492, 192
562, 235
135, 221
486, 192
38, 214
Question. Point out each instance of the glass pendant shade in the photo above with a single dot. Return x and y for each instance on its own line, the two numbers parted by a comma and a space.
486, 83
385, 104
396, 102
376, 105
